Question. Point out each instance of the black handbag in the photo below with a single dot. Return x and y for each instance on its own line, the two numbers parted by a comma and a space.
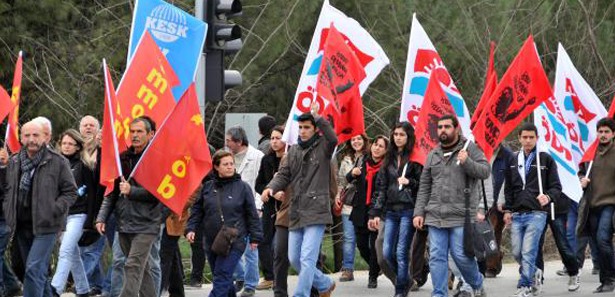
226, 236
479, 238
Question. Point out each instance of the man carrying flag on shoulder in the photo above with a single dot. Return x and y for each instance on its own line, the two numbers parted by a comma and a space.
139, 215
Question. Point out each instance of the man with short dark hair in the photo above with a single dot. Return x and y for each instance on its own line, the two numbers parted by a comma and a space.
40, 189
265, 126
307, 172
526, 206
597, 206
449, 171
139, 215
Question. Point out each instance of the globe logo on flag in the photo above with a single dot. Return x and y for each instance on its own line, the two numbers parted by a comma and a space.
167, 24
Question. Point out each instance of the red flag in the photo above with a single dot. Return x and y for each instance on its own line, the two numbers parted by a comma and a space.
491, 81
146, 86
12, 128
339, 77
111, 144
590, 153
523, 87
435, 105
174, 164
6, 105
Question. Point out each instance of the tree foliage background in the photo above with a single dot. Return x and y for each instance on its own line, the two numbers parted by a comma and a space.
65, 41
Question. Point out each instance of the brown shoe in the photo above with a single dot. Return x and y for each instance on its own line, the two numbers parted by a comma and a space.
328, 292
347, 276
265, 285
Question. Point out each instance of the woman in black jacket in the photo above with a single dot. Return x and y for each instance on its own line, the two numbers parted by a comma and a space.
226, 192
396, 187
365, 178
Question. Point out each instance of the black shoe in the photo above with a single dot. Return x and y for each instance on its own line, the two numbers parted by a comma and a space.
238, 286
605, 288
83, 295
14, 292
54, 293
95, 292
195, 284
372, 283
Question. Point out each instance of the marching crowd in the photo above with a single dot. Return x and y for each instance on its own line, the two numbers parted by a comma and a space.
266, 208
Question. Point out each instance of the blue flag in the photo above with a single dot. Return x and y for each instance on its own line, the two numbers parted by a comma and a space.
179, 35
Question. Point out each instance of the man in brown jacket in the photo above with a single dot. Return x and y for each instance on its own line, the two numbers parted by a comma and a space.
307, 172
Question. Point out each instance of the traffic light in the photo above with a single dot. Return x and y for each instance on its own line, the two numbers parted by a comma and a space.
223, 38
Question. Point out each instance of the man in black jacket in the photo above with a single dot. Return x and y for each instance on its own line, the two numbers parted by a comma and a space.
138, 214
40, 189
526, 205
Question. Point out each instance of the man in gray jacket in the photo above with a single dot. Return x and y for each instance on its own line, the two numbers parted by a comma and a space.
40, 189
450, 169
308, 174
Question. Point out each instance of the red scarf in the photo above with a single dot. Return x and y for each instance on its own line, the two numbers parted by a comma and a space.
372, 169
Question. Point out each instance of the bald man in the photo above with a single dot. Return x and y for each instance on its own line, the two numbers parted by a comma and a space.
89, 126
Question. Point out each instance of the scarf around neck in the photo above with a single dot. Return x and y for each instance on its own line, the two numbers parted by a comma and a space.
309, 142
371, 169
27, 167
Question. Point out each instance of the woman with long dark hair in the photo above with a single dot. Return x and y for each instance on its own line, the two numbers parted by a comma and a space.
365, 178
71, 146
227, 196
397, 186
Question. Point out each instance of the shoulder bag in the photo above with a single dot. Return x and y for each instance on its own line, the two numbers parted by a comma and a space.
226, 236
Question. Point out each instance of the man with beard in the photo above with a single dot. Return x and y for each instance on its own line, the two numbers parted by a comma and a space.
39, 190
449, 171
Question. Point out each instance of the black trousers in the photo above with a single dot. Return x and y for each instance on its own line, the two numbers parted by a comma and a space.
198, 257
171, 266
366, 243
265, 247
281, 262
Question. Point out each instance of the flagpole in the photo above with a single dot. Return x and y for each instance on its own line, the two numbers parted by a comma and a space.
465, 147
403, 174
589, 168
540, 188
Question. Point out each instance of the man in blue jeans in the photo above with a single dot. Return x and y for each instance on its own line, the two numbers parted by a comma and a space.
40, 189
526, 205
440, 205
308, 172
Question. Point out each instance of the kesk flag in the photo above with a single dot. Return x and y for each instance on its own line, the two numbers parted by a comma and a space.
338, 83
12, 129
174, 164
491, 81
179, 35
422, 61
591, 150
435, 105
111, 146
523, 87
145, 88
372, 57
567, 123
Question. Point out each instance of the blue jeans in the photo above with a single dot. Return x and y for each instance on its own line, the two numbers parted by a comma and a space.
8, 280
222, 269
36, 249
303, 252
91, 257
398, 234
69, 259
526, 230
566, 253
247, 268
601, 230
349, 243
443, 241
571, 224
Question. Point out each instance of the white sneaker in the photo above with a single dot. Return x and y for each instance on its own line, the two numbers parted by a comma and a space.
523, 292
574, 282
537, 286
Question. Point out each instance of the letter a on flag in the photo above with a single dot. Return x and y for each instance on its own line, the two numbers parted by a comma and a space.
145, 88
111, 146
338, 83
435, 105
524, 86
174, 164
12, 129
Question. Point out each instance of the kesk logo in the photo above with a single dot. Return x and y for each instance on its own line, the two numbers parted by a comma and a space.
167, 23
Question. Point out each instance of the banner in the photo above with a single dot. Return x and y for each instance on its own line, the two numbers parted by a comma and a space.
111, 145
338, 84
435, 105
523, 87
179, 35
146, 86
12, 128
372, 57
422, 61
174, 164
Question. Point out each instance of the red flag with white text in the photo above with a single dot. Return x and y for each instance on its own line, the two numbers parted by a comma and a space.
523, 87
177, 159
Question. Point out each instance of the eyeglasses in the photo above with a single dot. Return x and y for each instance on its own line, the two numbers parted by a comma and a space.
68, 143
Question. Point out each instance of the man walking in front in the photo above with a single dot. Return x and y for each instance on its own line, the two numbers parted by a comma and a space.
308, 173
40, 189
526, 205
449, 171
